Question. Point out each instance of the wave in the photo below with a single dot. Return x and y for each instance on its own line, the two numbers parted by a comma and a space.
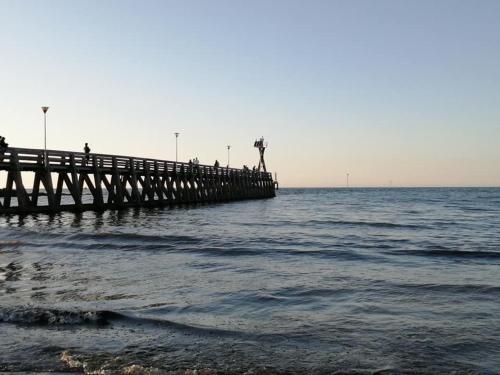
476, 209
106, 241
186, 244
41, 316
270, 251
78, 362
375, 224
54, 317
101, 246
9, 242
134, 237
315, 292
21, 236
442, 252
485, 289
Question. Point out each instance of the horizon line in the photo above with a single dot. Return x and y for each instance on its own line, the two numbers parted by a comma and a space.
396, 187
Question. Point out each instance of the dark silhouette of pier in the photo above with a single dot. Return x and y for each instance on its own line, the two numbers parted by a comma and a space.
76, 181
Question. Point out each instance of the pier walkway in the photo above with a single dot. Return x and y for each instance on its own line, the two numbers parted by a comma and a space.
75, 181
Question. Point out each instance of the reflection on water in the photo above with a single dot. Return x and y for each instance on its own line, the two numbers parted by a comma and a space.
323, 280
10, 272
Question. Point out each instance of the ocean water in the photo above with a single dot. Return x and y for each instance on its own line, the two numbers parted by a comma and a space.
313, 281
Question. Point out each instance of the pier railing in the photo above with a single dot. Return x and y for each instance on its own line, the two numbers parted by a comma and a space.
101, 181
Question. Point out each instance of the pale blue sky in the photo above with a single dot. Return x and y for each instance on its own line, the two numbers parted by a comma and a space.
396, 91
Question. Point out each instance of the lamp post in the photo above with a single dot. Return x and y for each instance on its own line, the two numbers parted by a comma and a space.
228, 148
45, 109
176, 136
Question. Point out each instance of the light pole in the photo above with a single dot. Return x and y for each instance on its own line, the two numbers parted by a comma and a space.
228, 148
45, 109
176, 136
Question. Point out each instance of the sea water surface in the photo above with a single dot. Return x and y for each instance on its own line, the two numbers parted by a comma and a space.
312, 281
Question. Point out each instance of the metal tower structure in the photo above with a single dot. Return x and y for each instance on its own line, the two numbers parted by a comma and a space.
261, 145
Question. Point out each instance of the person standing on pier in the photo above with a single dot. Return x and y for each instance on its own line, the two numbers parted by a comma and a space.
87, 151
3, 147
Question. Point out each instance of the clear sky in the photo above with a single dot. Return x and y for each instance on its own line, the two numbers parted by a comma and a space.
406, 92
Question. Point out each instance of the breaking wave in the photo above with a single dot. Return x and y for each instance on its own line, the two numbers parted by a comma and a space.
54, 317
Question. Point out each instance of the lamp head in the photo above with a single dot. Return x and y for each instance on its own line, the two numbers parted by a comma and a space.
45, 109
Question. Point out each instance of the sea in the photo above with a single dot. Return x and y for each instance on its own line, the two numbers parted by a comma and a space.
314, 281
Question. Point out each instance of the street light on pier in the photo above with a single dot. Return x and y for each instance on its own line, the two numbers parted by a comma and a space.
176, 136
45, 109
228, 148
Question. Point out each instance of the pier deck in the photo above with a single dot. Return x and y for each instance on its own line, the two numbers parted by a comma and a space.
74, 181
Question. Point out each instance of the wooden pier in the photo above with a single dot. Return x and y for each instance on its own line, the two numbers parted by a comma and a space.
73, 181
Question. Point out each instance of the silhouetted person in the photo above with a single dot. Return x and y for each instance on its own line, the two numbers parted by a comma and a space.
216, 164
3, 145
87, 151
